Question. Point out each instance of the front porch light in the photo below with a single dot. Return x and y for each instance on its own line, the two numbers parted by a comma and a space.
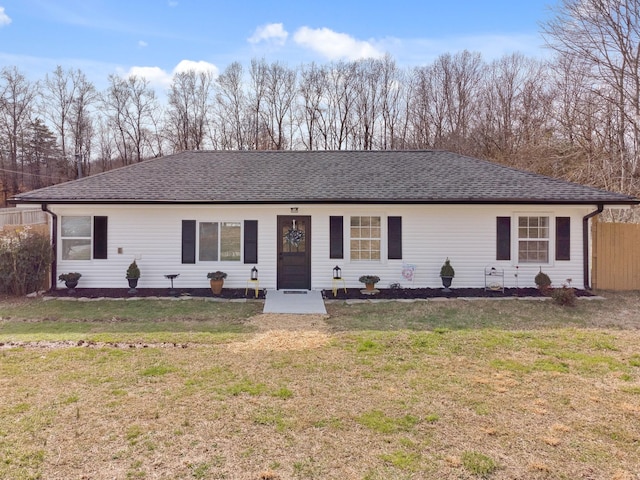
254, 273
337, 272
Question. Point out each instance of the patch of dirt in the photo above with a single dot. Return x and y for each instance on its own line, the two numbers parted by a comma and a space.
50, 344
278, 332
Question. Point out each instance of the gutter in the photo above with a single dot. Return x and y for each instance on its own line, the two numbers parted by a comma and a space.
585, 243
54, 245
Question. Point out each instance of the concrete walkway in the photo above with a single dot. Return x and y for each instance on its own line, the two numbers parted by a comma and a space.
294, 301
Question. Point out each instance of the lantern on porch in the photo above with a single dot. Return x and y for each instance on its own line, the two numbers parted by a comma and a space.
337, 272
254, 273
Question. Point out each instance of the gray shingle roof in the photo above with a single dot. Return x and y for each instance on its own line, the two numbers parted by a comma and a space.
425, 176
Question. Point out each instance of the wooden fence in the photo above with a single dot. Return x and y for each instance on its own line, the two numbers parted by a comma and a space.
616, 256
17, 216
11, 218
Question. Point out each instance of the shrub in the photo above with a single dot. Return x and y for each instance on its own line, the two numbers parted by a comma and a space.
25, 257
133, 271
447, 270
565, 296
542, 280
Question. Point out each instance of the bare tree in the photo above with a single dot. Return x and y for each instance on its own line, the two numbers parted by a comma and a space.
276, 109
336, 126
605, 35
233, 118
18, 97
393, 105
516, 110
313, 91
132, 110
257, 89
188, 112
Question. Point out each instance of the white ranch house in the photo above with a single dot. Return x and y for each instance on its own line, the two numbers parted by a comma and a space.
296, 215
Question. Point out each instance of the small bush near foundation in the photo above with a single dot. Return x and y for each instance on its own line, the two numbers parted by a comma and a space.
25, 257
565, 296
542, 281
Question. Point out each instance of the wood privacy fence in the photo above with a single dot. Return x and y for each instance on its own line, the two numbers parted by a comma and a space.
616, 256
12, 218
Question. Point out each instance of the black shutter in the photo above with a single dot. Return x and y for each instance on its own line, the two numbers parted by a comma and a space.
563, 238
250, 241
100, 238
503, 236
394, 238
188, 241
336, 241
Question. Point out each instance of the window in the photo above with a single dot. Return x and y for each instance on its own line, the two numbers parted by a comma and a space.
533, 239
208, 249
83, 237
219, 241
75, 233
365, 238
230, 241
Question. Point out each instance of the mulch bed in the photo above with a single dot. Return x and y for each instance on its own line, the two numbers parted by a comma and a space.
352, 293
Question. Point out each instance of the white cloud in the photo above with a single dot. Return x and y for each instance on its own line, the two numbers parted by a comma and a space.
155, 75
273, 33
334, 45
158, 77
4, 18
142, 44
172, 3
201, 66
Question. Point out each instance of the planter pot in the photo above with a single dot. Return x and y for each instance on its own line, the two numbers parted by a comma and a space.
133, 283
446, 283
216, 286
71, 285
369, 286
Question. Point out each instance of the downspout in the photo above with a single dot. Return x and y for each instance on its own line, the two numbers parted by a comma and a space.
54, 245
585, 243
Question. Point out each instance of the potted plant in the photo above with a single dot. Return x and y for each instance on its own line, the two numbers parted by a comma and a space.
369, 281
216, 280
543, 282
446, 274
70, 280
132, 276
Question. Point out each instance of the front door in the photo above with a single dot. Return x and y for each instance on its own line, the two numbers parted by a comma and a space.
294, 252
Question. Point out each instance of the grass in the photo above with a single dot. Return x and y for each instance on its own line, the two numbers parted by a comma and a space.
497, 390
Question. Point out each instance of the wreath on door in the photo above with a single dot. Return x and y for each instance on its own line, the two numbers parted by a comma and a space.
294, 236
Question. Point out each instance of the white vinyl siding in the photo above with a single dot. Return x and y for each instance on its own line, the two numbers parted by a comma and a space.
152, 235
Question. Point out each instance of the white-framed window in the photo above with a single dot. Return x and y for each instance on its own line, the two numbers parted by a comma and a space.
219, 241
75, 236
365, 238
533, 239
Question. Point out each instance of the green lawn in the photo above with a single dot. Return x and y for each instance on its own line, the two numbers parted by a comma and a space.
194, 389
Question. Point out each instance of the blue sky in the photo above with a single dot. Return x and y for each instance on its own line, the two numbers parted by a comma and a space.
155, 38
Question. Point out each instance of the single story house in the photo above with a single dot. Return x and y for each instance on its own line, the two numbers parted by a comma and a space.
295, 215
